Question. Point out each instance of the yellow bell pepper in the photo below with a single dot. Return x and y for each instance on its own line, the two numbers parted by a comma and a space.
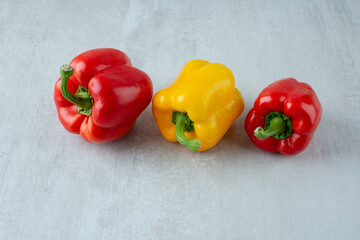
199, 107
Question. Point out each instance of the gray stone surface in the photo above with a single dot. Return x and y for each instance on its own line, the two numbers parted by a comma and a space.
53, 185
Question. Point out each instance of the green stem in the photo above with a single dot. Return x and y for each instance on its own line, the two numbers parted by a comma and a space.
82, 99
181, 123
277, 126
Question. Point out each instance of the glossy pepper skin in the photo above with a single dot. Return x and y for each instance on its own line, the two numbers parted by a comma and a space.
202, 102
300, 112
108, 94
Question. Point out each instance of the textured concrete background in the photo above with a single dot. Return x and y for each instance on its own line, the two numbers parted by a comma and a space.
53, 185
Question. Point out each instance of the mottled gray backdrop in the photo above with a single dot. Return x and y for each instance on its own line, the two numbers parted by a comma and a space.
53, 185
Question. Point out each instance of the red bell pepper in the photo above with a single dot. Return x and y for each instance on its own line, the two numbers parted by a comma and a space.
284, 118
100, 95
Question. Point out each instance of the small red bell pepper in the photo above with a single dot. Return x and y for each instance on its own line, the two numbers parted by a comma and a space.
284, 118
100, 95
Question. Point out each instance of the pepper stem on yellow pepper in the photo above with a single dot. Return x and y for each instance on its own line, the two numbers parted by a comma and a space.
184, 124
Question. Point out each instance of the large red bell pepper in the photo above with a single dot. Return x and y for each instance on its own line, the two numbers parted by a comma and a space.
290, 113
100, 95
